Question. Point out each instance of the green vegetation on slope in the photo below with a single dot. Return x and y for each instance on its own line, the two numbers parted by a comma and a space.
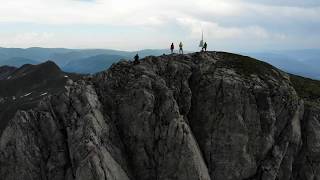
306, 88
246, 65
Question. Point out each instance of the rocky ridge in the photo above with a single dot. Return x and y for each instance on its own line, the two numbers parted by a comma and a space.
22, 88
199, 116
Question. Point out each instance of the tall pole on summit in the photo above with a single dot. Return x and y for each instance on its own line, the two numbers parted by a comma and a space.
201, 42
202, 35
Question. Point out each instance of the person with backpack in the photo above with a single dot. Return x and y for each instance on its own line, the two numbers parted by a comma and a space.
180, 48
172, 48
136, 59
205, 46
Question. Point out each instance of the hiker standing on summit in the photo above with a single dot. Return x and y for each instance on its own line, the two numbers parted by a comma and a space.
172, 48
136, 59
205, 47
180, 48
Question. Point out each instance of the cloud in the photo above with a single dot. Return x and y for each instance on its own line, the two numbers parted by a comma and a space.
283, 13
215, 31
32, 37
288, 3
160, 20
108, 11
86, 0
25, 39
143, 12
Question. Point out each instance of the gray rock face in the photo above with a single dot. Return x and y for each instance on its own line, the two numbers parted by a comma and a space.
307, 165
202, 116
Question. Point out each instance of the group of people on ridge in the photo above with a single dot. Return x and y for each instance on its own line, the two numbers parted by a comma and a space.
180, 48
202, 45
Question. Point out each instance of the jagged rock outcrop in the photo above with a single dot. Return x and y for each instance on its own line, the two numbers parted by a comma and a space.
201, 116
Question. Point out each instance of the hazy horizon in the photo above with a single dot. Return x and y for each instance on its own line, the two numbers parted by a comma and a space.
164, 49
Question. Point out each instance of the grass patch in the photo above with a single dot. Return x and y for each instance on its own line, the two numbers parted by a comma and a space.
246, 65
306, 88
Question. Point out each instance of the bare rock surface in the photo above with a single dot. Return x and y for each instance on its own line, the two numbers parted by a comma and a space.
201, 116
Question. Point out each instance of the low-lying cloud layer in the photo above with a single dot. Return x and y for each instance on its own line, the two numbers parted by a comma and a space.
127, 24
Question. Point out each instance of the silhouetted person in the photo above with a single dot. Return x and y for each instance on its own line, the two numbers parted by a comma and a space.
136, 59
205, 46
180, 48
172, 48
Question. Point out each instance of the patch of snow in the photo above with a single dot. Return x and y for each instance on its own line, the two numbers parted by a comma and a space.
13, 98
66, 76
43, 94
26, 94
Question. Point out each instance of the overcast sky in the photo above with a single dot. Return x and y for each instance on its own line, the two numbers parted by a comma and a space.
235, 25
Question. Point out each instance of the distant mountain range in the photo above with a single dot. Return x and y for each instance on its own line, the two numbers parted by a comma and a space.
301, 62
92, 64
17, 61
70, 60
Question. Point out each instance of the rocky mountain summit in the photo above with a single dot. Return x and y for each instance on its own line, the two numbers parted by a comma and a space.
201, 116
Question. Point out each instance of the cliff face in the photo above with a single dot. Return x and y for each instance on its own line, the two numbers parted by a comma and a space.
194, 117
